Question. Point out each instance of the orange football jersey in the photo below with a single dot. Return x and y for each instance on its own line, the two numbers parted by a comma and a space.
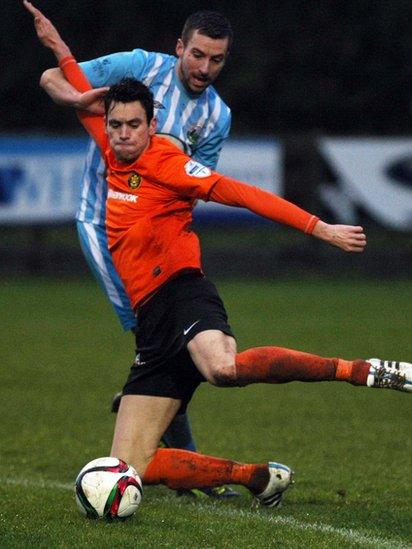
149, 212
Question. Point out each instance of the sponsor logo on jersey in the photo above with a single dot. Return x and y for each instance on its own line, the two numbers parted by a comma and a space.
134, 180
195, 169
124, 197
193, 134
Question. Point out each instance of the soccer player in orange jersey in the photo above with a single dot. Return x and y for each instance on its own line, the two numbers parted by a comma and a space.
189, 110
183, 335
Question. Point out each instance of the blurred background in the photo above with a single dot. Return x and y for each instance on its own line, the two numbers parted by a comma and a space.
320, 94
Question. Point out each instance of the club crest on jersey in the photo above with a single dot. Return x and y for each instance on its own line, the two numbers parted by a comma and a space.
193, 134
158, 105
195, 169
134, 180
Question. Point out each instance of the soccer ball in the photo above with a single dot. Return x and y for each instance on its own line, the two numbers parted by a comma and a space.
108, 488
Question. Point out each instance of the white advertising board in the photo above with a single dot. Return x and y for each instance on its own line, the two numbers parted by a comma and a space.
372, 174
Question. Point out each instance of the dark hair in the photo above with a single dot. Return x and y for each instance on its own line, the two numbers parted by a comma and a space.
209, 23
127, 91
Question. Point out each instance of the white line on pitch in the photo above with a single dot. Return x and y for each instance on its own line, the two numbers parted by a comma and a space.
37, 483
348, 534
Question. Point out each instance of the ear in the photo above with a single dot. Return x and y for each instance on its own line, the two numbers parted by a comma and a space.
179, 47
152, 126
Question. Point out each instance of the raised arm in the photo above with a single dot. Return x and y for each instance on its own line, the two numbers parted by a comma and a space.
234, 193
47, 32
54, 81
50, 38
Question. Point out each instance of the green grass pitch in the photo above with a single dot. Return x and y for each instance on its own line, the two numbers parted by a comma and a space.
63, 356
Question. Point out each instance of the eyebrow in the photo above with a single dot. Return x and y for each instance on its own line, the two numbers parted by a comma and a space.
125, 121
197, 50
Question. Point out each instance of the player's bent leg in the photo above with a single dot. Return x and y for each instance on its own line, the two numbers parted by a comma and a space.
140, 424
180, 469
170, 438
213, 353
177, 435
279, 365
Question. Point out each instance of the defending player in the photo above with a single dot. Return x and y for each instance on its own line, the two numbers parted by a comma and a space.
187, 108
183, 334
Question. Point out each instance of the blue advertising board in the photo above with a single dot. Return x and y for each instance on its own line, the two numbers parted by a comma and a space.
40, 177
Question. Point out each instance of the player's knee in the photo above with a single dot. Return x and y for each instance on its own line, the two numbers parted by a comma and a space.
223, 375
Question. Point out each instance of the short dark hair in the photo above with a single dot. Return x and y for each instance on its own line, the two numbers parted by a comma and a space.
209, 23
127, 91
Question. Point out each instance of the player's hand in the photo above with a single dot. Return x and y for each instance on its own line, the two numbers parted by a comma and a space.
47, 32
349, 238
92, 101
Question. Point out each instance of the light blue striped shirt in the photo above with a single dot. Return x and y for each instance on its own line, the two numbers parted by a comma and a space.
201, 122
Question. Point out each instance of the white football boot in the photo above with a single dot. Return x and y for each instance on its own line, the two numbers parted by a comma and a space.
389, 374
280, 478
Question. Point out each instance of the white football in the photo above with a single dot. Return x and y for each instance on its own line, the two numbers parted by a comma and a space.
108, 488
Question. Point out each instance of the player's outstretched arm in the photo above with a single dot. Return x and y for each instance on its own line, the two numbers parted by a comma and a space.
235, 193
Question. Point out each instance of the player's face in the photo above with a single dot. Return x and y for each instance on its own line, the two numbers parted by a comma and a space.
200, 60
128, 130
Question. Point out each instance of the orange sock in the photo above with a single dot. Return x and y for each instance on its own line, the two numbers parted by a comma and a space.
279, 365
353, 371
182, 470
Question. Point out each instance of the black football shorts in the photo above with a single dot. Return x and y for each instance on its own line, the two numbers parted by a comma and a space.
183, 307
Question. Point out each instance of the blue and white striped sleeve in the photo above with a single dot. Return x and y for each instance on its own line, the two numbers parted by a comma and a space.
110, 69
